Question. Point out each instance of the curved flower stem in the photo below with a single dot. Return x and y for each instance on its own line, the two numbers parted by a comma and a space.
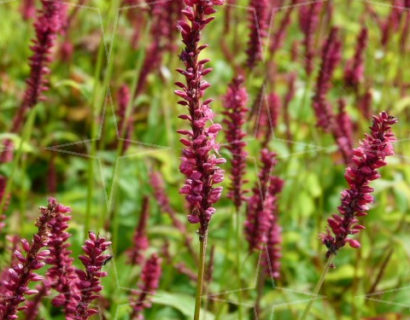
319, 285
203, 241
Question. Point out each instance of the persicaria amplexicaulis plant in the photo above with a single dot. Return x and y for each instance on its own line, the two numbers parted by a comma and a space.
259, 211
88, 284
273, 252
309, 21
199, 163
258, 17
235, 112
151, 274
30, 258
46, 27
355, 201
61, 275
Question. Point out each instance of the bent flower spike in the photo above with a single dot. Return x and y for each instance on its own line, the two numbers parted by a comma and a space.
355, 201
199, 163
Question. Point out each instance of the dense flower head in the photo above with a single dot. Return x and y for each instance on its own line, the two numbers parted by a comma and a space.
46, 27
28, 259
149, 283
88, 284
235, 112
140, 241
199, 163
259, 23
61, 275
272, 253
354, 70
331, 54
258, 215
355, 200
309, 21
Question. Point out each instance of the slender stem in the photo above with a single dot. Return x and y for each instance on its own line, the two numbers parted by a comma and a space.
14, 165
238, 261
260, 285
202, 257
318, 287
90, 169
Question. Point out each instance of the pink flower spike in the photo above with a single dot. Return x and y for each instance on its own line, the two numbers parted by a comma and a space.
355, 200
199, 164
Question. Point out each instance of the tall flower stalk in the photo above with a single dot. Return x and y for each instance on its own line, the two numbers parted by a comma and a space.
356, 200
61, 275
46, 27
258, 212
199, 163
89, 284
235, 112
258, 19
23, 270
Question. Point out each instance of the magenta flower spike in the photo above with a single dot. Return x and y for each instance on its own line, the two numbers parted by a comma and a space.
61, 275
22, 272
258, 18
258, 215
199, 163
150, 277
309, 22
46, 27
331, 54
272, 254
355, 200
235, 112
89, 285
354, 71
140, 241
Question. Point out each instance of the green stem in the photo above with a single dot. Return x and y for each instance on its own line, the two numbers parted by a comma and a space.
318, 287
238, 261
26, 137
202, 257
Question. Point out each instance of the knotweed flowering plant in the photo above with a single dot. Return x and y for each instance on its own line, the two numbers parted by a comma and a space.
355, 201
235, 112
199, 163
